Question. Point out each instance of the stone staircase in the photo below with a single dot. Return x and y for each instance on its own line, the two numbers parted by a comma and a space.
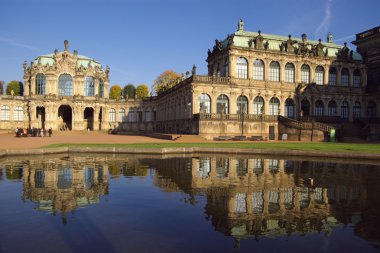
305, 125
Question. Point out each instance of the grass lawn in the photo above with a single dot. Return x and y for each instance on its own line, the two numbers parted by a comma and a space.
323, 146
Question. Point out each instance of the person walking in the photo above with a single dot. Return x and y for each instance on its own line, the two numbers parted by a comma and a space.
50, 131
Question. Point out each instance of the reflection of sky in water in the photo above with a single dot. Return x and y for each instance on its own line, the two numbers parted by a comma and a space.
118, 205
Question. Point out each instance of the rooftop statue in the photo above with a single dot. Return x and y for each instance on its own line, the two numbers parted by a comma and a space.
66, 42
241, 25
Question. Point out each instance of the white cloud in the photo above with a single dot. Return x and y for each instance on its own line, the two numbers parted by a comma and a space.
324, 26
18, 44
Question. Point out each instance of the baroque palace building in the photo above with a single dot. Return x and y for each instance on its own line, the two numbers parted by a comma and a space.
258, 85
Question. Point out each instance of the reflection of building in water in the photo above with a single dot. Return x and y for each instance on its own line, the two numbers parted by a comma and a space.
64, 188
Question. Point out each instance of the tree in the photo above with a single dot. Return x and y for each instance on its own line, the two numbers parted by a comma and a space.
115, 92
165, 81
1, 87
142, 91
16, 86
129, 91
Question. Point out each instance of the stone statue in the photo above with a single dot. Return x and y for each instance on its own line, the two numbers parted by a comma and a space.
289, 44
194, 70
25, 65
66, 43
241, 25
343, 53
259, 41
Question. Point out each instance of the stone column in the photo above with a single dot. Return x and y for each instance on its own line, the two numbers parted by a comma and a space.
213, 103
351, 77
96, 86
363, 80
338, 75
250, 68
32, 85
312, 73
232, 66
233, 103
326, 75
297, 72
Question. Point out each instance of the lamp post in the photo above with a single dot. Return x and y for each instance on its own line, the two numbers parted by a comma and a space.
261, 121
301, 119
242, 112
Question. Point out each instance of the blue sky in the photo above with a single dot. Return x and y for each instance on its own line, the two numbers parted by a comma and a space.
139, 39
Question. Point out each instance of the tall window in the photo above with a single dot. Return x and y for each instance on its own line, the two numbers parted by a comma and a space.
344, 110
258, 70
357, 79
319, 75
242, 68
88, 177
40, 84
332, 76
274, 71
65, 85
5, 112
226, 68
319, 108
122, 115
18, 114
101, 88
289, 108
89, 86
345, 77
331, 108
356, 110
289, 73
305, 74
274, 106
371, 109
112, 115
242, 104
204, 102
258, 106
65, 178
241, 203
222, 104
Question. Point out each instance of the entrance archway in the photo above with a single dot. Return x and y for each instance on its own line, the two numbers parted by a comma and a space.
65, 113
40, 115
89, 118
305, 107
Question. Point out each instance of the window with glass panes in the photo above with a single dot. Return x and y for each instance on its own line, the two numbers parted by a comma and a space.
112, 115
5, 112
371, 109
344, 110
18, 113
274, 106
319, 75
332, 77
122, 115
258, 106
289, 108
65, 85
319, 110
331, 108
356, 110
101, 88
242, 105
345, 77
356, 79
274, 71
242, 68
305, 74
289, 73
226, 68
89, 86
222, 104
40, 84
258, 70
204, 103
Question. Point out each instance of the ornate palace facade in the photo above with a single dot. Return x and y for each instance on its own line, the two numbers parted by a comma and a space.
258, 85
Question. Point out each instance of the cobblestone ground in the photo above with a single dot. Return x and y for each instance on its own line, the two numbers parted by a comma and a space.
9, 141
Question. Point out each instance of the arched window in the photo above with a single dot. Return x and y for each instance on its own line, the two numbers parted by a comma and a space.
89, 86
242, 104
112, 115
258, 105
319, 108
289, 108
371, 109
242, 68
331, 108
258, 70
122, 115
356, 110
204, 103
332, 76
319, 75
345, 77
101, 88
222, 104
40, 84
274, 106
357, 79
305, 73
65, 85
344, 110
5, 112
289, 73
18, 113
274, 71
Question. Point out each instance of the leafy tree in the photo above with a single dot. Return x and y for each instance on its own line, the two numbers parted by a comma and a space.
1, 87
17, 87
129, 91
115, 92
142, 91
165, 81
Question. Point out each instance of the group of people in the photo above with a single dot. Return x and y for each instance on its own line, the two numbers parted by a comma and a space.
33, 132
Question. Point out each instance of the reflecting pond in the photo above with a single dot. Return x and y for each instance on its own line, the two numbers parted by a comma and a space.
203, 203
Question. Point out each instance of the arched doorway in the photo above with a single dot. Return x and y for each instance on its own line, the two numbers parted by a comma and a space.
40, 115
89, 118
305, 107
65, 114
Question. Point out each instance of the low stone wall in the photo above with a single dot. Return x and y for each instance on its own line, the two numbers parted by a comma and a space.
304, 135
